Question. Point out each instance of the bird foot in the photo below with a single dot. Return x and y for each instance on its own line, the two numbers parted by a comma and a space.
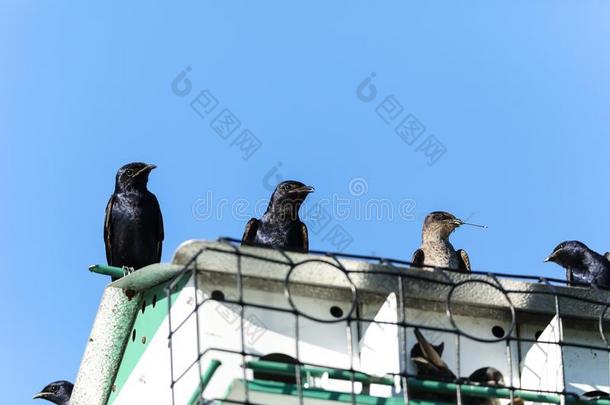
127, 270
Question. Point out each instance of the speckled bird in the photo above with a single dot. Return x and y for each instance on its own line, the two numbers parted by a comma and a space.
582, 264
435, 249
280, 226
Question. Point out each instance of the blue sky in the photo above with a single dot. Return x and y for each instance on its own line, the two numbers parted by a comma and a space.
516, 92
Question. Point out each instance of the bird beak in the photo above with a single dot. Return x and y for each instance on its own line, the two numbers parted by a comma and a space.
145, 169
304, 189
42, 395
459, 222
548, 259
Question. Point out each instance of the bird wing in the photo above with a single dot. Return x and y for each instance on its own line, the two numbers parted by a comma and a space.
160, 230
108, 230
305, 238
418, 258
430, 355
464, 260
250, 231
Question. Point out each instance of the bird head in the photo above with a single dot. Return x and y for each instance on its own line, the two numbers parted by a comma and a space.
441, 223
487, 376
58, 392
569, 254
133, 176
289, 195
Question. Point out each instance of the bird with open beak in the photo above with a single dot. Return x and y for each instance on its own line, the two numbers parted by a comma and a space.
58, 392
582, 264
133, 226
280, 226
435, 249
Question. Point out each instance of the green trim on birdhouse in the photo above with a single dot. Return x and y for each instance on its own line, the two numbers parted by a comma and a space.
112, 271
205, 379
278, 388
286, 369
151, 315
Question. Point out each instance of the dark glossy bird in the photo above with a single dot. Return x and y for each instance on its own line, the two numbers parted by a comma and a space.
58, 392
428, 361
491, 377
288, 378
133, 229
597, 394
430, 365
280, 226
582, 264
435, 249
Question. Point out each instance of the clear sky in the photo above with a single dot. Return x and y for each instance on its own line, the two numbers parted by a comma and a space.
516, 93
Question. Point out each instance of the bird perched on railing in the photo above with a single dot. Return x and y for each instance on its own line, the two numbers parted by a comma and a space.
133, 228
430, 365
582, 264
435, 249
428, 361
596, 394
58, 392
490, 377
280, 226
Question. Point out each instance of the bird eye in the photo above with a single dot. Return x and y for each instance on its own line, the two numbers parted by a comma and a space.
129, 172
54, 388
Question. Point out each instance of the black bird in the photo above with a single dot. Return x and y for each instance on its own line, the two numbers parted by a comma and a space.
279, 358
428, 361
487, 376
435, 249
280, 226
491, 377
597, 394
582, 264
58, 392
430, 365
133, 229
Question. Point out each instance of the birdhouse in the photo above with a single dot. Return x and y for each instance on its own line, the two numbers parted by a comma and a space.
225, 323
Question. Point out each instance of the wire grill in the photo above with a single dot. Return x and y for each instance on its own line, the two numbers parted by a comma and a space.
404, 385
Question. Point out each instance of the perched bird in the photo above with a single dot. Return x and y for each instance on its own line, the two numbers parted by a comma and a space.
280, 226
133, 229
288, 378
430, 365
487, 376
597, 394
58, 392
428, 361
582, 264
436, 250
491, 377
